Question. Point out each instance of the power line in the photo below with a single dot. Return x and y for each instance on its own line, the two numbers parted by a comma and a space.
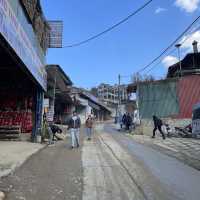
173, 50
171, 45
110, 28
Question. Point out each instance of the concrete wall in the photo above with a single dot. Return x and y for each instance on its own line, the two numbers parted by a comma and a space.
146, 127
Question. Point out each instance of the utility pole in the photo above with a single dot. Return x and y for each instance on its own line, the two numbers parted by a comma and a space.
118, 105
179, 57
119, 83
54, 95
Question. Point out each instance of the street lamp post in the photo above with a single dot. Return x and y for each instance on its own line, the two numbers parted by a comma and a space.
179, 57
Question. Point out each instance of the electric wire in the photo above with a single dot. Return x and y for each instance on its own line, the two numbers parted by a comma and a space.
171, 45
110, 28
173, 50
187, 37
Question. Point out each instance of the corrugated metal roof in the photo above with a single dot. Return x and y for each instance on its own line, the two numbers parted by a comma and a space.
62, 80
189, 94
94, 100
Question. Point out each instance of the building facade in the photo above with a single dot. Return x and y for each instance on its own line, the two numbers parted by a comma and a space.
112, 95
86, 104
58, 95
23, 79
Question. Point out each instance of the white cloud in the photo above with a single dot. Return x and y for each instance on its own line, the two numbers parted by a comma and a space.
188, 5
159, 10
188, 40
169, 60
186, 47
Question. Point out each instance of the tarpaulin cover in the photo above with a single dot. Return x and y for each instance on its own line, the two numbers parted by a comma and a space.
158, 98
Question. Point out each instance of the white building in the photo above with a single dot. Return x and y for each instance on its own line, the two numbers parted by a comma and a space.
112, 95
86, 104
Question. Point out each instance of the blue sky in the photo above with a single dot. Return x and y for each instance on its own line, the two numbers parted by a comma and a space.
124, 50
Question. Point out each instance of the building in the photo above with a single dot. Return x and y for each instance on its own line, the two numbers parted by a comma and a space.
60, 103
112, 95
23, 80
87, 104
188, 66
108, 94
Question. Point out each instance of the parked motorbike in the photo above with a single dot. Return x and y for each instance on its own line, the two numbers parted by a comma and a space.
184, 132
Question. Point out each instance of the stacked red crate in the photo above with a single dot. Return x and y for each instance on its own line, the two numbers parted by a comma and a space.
14, 118
27, 124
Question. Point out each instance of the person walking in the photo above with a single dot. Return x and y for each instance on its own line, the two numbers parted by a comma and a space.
157, 126
124, 120
129, 122
74, 126
89, 126
120, 123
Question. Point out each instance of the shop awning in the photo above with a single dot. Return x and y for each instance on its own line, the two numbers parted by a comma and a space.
55, 75
64, 98
96, 107
81, 101
94, 101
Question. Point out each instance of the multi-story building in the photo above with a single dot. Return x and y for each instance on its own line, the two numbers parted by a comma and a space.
112, 95
108, 94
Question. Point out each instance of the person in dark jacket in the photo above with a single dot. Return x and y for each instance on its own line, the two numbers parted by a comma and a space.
157, 126
55, 129
124, 120
129, 122
74, 126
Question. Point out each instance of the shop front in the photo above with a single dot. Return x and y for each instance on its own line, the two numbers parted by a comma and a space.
22, 74
58, 93
20, 97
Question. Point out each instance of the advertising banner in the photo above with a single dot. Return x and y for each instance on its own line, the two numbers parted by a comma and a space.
56, 34
13, 32
50, 114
